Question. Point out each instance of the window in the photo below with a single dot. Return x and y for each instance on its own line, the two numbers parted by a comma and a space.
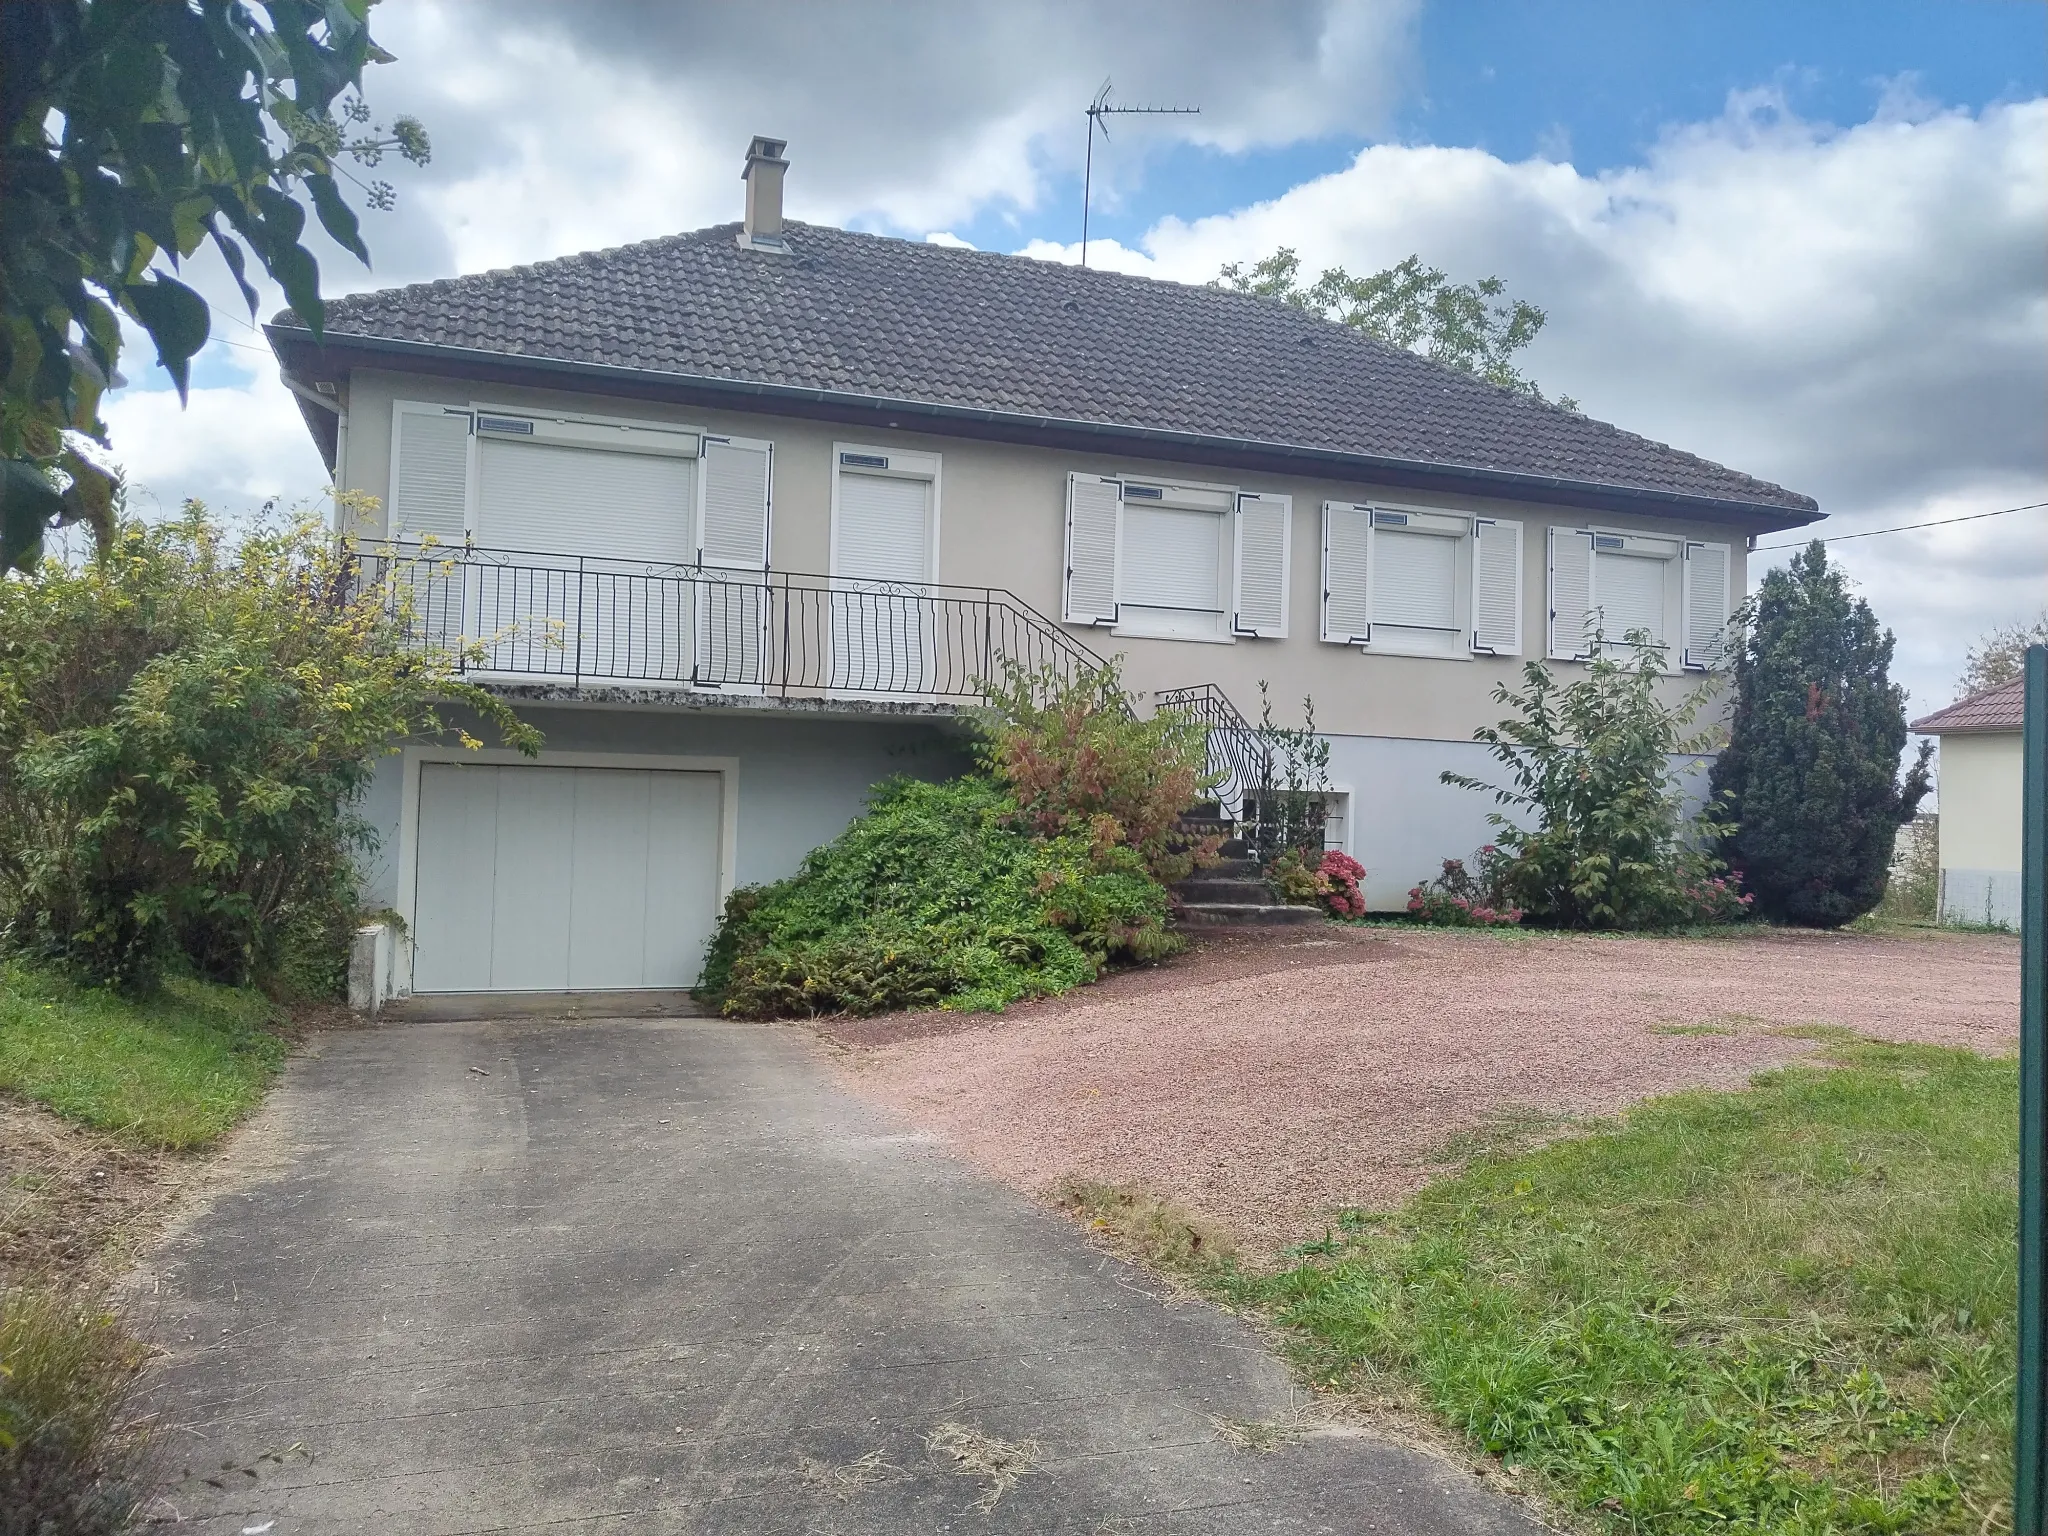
1611, 582
1419, 582
1176, 561
885, 552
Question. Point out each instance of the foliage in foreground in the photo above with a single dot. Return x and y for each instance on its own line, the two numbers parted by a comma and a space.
186, 725
1787, 1310
72, 1458
938, 897
1461, 898
1810, 776
1595, 833
134, 132
176, 1069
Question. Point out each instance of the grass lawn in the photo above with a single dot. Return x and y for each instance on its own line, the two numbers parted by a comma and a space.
173, 1071
1788, 1309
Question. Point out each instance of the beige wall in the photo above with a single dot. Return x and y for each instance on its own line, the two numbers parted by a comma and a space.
1980, 801
1002, 524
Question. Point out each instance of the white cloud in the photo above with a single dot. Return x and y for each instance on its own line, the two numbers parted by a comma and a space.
233, 448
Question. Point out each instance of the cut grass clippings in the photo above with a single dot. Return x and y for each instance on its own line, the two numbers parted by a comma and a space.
174, 1070
1785, 1310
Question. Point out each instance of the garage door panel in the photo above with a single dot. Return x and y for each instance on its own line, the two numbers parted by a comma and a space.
682, 875
530, 901
457, 860
540, 879
607, 910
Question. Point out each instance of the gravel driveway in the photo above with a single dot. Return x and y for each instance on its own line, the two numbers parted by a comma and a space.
1269, 1080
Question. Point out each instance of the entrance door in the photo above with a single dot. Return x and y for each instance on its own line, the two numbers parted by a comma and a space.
882, 546
538, 879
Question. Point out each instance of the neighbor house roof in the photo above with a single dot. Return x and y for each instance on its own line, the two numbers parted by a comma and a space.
1995, 709
949, 330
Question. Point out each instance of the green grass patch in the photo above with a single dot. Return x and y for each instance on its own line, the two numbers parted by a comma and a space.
1785, 1310
175, 1069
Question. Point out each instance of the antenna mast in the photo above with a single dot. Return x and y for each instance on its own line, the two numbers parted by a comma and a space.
1097, 110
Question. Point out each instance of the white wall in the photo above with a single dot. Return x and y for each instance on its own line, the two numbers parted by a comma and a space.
1981, 806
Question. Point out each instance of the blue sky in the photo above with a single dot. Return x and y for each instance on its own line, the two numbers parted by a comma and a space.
1595, 82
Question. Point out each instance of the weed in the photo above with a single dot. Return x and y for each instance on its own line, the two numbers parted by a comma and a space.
72, 1457
1692, 1029
1160, 1233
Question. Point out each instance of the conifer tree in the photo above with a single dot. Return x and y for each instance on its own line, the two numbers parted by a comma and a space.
1810, 777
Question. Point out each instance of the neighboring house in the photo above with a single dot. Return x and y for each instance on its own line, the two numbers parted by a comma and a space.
743, 514
1980, 804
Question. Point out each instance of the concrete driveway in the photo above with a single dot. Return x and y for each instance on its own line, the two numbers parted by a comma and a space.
660, 1275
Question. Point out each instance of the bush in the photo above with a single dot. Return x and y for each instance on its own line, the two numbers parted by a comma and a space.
1811, 774
1590, 763
1080, 762
1329, 879
185, 727
1459, 899
938, 896
71, 1456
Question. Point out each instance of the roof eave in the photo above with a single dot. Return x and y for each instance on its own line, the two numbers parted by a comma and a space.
1755, 517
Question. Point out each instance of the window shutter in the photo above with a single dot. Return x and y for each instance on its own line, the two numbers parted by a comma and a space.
1707, 569
1093, 505
1571, 593
1347, 573
1263, 545
1496, 587
429, 472
733, 503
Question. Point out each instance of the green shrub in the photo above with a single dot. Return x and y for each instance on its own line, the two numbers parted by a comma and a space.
1080, 762
938, 896
1589, 762
1458, 898
185, 728
71, 1455
1811, 774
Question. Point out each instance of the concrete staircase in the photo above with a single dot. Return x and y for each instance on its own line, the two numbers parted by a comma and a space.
1232, 893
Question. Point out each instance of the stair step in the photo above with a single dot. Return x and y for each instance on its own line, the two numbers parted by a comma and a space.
1230, 869
1208, 887
1245, 914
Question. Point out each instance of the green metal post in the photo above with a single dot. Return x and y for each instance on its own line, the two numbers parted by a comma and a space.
2030, 1476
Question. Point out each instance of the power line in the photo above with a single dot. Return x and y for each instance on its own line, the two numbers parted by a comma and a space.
1939, 522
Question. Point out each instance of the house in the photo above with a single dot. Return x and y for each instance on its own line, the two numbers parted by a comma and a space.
740, 516
1980, 804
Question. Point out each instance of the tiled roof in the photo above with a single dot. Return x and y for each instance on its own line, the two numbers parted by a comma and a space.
956, 328
1995, 709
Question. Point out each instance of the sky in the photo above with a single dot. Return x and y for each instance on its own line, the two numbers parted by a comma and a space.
1807, 241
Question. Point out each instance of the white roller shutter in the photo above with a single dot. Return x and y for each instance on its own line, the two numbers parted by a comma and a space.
1172, 557
429, 472
1093, 505
1571, 593
1347, 573
884, 531
554, 498
1707, 605
1629, 589
1496, 587
1414, 578
1264, 531
735, 483
733, 505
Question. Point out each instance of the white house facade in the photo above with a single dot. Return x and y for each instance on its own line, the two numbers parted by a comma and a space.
1980, 778
741, 519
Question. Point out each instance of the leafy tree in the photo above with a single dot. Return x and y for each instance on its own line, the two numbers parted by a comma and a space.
185, 728
1589, 763
1469, 326
1810, 776
2000, 656
132, 132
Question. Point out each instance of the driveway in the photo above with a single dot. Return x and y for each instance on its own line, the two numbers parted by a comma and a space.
654, 1276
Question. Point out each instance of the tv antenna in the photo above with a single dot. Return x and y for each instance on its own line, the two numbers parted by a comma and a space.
1097, 110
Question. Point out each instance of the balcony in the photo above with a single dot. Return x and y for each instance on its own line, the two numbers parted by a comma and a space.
520, 619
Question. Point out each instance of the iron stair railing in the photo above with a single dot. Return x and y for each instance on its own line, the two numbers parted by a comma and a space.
1241, 761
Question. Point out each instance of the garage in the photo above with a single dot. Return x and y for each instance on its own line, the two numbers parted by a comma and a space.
531, 878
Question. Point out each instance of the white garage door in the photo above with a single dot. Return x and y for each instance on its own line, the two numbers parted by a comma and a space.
533, 879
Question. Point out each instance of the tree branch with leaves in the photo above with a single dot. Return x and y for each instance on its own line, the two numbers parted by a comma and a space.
132, 133
1473, 327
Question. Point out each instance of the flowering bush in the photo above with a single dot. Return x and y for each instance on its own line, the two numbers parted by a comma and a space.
1332, 881
1459, 899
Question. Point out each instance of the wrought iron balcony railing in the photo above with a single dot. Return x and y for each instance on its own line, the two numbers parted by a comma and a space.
514, 615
